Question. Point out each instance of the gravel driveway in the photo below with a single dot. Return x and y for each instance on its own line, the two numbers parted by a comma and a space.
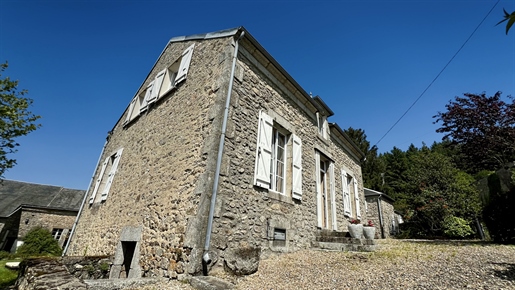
398, 264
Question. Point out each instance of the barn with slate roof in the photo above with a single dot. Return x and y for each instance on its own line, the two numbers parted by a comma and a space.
28, 205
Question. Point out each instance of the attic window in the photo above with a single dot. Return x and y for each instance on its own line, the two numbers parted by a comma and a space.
322, 125
164, 82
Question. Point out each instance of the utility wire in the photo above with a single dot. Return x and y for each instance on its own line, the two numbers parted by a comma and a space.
438, 75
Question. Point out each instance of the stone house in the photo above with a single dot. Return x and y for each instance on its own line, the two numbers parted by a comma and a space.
382, 214
25, 206
220, 158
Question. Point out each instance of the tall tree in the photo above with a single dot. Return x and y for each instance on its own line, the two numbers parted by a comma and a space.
15, 119
437, 191
372, 167
483, 128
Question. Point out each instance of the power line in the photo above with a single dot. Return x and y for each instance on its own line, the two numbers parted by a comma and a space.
438, 75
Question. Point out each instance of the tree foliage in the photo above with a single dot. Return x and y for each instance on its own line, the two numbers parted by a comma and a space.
15, 118
508, 17
39, 242
436, 191
371, 167
482, 128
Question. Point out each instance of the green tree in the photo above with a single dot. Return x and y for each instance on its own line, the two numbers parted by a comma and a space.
508, 17
39, 242
15, 119
438, 191
372, 168
483, 129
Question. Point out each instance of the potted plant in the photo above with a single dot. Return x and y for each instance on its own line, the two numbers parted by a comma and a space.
355, 229
369, 231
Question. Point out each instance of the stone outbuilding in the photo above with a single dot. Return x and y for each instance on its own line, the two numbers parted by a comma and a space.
25, 206
219, 159
381, 212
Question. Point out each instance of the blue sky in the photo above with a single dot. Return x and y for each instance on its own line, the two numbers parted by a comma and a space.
82, 62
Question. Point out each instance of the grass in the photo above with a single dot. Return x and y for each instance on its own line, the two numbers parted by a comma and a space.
7, 276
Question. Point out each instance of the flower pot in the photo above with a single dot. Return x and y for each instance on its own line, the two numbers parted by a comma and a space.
369, 232
356, 230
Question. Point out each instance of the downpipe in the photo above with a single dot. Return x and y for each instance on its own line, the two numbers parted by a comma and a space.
206, 257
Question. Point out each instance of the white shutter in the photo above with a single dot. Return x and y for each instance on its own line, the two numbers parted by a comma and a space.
99, 180
356, 196
131, 107
157, 87
263, 151
144, 104
319, 194
185, 64
346, 195
333, 193
297, 168
112, 172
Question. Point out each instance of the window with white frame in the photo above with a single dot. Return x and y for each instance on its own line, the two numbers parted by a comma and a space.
351, 201
272, 169
322, 125
56, 233
105, 177
325, 187
164, 82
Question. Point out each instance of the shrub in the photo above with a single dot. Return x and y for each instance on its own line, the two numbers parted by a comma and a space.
455, 227
39, 242
5, 255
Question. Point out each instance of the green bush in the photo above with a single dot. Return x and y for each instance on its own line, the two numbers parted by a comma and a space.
5, 255
39, 242
455, 227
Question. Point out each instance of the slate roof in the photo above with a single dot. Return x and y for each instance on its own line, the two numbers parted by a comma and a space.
14, 194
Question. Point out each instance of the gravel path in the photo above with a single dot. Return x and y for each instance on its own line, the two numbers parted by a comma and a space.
398, 264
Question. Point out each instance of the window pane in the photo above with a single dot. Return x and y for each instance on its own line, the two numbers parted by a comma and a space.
279, 185
282, 140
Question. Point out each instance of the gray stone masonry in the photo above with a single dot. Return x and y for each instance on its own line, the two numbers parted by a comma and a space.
388, 214
164, 178
165, 175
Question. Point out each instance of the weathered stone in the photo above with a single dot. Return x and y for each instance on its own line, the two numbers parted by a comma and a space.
177, 177
12, 265
242, 261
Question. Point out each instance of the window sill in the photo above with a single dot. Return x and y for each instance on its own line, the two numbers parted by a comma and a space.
279, 196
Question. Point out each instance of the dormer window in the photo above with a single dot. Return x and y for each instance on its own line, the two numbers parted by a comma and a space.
322, 125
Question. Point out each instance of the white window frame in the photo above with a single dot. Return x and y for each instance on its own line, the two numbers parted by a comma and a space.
324, 205
105, 178
347, 205
350, 202
164, 81
265, 171
56, 233
275, 161
322, 125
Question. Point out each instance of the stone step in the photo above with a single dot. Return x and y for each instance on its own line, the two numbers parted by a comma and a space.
209, 283
128, 283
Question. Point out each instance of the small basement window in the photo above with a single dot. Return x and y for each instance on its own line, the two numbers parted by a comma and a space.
279, 237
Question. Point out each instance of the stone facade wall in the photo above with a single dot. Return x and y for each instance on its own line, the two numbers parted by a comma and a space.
164, 180
388, 214
164, 177
246, 215
31, 218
